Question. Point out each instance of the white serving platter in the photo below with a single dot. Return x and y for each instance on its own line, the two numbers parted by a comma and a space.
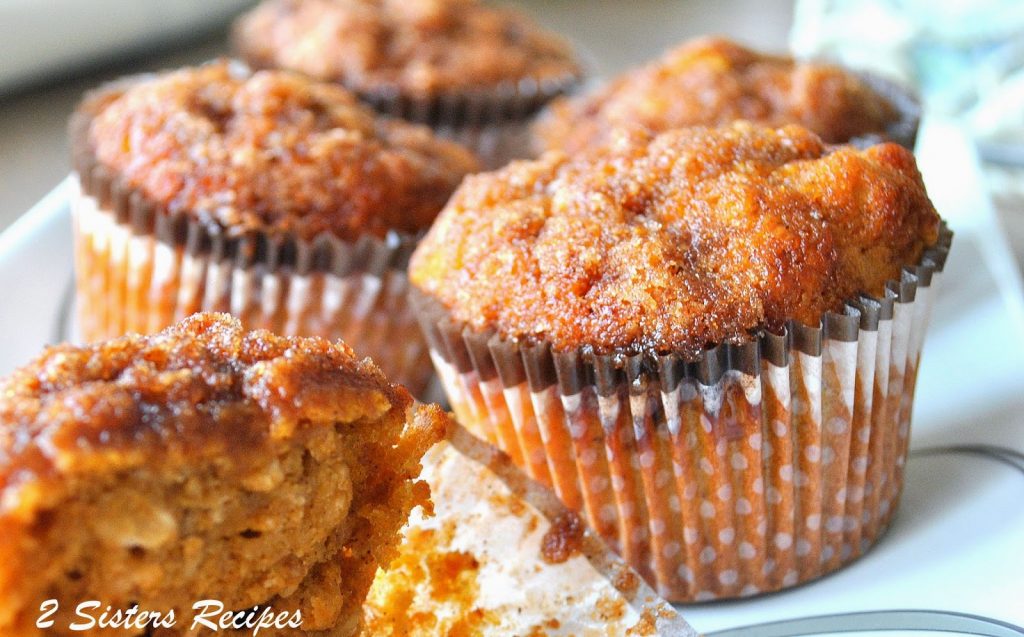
957, 543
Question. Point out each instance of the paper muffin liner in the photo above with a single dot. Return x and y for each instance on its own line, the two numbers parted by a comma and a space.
139, 269
493, 123
754, 468
903, 131
501, 554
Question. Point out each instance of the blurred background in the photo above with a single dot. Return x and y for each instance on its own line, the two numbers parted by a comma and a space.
966, 57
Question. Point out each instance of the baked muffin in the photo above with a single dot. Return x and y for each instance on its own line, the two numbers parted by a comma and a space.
705, 340
203, 462
473, 72
712, 82
266, 194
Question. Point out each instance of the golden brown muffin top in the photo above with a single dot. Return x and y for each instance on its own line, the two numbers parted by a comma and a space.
419, 48
675, 241
711, 82
203, 388
270, 151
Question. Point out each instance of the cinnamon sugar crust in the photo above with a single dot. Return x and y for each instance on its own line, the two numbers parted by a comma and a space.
418, 48
673, 242
268, 151
203, 462
713, 81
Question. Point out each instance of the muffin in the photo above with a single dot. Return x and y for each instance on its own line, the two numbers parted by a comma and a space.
203, 462
705, 340
712, 82
473, 72
267, 195
493, 529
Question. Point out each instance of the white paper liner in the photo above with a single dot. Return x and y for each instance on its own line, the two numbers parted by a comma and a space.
477, 565
131, 282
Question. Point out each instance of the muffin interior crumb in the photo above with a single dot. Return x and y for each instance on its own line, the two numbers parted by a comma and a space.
204, 463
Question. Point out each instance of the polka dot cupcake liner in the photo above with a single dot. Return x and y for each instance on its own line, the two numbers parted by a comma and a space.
139, 268
753, 468
518, 536
494, 123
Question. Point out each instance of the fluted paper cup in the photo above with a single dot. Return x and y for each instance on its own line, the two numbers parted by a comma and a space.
140, 269
753, 468
907, 103
494, 123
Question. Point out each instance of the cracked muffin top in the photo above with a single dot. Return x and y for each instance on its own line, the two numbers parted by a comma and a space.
204, 388
268, 151
672, 242
419, 48
712, 82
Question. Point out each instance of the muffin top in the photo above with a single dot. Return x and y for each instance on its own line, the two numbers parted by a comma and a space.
201, 389
672, 242
268, 151
418, 48
711, 82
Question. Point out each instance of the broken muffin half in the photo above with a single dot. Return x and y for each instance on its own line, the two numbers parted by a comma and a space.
202, 463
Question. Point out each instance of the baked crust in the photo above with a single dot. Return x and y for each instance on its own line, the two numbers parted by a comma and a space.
672, 242
417, 48
713, 81
268, 151
203, 462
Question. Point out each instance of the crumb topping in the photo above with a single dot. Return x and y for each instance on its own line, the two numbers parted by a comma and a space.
673, 242
415, 47
712, 81
203, 388
271, 151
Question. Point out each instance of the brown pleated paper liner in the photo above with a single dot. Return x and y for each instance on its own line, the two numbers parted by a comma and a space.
140, 269
494, 123
903, 131
754, 468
